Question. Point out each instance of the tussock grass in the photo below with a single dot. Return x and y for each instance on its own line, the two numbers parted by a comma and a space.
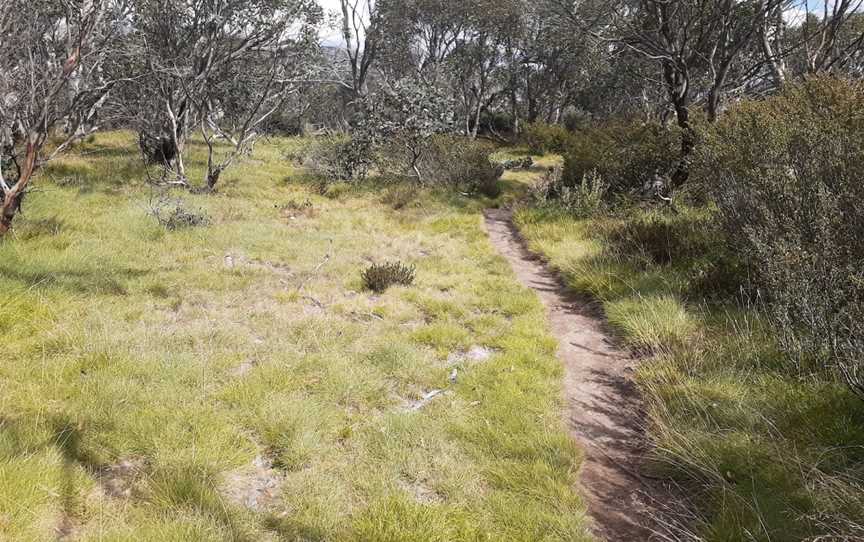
767, 450
190, 353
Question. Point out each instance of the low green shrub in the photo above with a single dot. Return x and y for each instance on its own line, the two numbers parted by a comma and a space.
379, 277
581, 201
174, 214
399, 196
544, 138
788, 184
686, 242
576, 120
339, 158
627, 156
335, 190
462, 162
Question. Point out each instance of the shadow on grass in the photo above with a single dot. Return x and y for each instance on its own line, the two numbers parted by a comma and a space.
291, 529
172, 488
100, 175
89, 281
452, 197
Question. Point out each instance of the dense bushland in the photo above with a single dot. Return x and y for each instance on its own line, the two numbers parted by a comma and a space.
745, 295
630, 158
542, 138
786, 174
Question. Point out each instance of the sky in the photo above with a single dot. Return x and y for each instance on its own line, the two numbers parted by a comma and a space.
330, 36
329, 4
796, 15
793, 16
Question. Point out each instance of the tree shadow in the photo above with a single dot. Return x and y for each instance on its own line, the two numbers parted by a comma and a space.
80, 281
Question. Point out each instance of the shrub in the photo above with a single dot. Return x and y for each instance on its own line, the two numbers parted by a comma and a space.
403, 120
576, 120
339, 158
544, 138
379, 277
489, 185
172, 214
399, 196
582, 201
462, 162
627, 156
787, 181
336, 191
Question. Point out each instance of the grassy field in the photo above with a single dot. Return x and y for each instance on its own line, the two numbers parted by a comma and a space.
234, 381
768, 451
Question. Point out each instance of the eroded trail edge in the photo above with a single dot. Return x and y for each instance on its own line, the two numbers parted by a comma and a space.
604, 409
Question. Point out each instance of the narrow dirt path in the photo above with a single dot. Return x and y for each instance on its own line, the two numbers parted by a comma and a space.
605, 413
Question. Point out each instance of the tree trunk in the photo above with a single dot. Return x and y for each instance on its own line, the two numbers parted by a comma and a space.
178, 136
468, 114
12, 197
713, 105
415, 160
688, 144
213, 178
477, 118
514, 112
678, 86
213, 171
775, 59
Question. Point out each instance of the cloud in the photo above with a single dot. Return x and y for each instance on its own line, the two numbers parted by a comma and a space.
795, 16
330, 35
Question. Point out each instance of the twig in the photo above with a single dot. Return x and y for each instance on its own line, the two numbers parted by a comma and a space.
317, 268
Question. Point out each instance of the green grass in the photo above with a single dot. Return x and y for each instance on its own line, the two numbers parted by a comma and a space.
187, 354
765, 450
516, 182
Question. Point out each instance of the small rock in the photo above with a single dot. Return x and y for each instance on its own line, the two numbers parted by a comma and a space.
256, 487
479, 353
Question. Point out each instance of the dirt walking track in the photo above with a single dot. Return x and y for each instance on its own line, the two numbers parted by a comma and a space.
604, 411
